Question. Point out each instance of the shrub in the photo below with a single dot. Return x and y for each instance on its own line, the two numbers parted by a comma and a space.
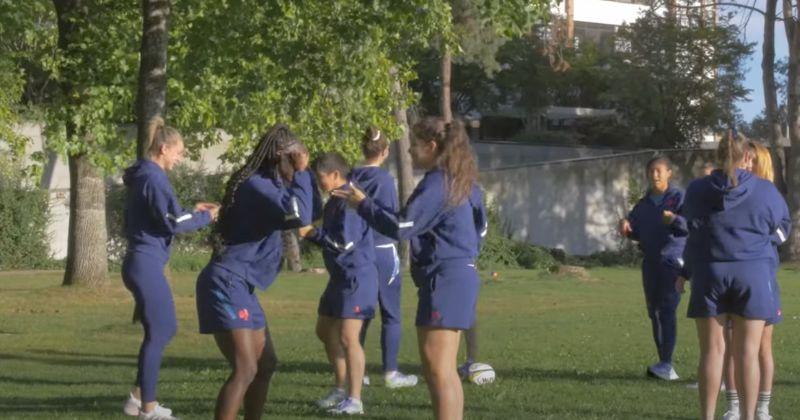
24, 217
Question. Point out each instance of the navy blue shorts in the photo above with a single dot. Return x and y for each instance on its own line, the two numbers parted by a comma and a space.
743, 288
225, 301
448, 294
355, 296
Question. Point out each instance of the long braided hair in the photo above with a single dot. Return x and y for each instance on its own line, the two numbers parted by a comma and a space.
274, 156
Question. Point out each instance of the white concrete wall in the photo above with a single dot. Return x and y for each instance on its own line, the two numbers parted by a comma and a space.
575, 204
559, 197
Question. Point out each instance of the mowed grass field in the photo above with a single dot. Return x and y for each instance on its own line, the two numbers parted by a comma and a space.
563, 348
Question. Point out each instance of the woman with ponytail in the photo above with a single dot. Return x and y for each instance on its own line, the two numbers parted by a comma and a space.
762, 168
271, 192
445, 220
379, 184
735, 219
152, 217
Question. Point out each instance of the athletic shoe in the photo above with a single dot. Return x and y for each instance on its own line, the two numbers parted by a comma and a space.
155, 415
133, 406
395, 379
662, 371
463, 370
349, 406
333, 398
730, 415
763, 414
365, 381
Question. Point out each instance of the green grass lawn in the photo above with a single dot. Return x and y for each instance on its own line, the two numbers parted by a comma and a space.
562, 347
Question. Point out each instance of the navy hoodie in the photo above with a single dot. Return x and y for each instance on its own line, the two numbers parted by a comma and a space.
380, 186
346, 240
263, 207
740, 223
152, 212
437, 230
660, 242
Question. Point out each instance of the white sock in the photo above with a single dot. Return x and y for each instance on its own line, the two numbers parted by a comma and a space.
733, 400
763, 400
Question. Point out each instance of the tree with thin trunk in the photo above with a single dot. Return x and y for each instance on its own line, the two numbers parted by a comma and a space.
791, 21
770, 94
405, 168
86, 245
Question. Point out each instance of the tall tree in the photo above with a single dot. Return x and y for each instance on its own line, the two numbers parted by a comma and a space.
94, 68
678, 81
771, 94
152, 93
480, 28
791, 21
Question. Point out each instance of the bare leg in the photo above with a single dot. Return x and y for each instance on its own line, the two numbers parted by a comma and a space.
239, 348
709, 370
327, 333
746, 342
349, 331
438, 349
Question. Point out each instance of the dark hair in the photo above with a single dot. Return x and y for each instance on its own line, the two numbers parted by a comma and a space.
159, 134
274, 156
330, 162
454, 155
659, 159
373, 143
730, 153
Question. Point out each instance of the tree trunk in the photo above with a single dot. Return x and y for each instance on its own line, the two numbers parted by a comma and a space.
569, 6
445, 104
291, 251
87, 259
793, 163
770, 94
405, 168
152, 94
87, 256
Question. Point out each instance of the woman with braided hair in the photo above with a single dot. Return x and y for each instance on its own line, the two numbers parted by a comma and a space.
270, 193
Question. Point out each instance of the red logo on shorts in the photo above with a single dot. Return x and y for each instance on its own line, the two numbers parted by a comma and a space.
244, 314
357, 309
779, 312
436, 315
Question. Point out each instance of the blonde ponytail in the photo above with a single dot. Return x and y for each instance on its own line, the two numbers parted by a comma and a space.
159, 134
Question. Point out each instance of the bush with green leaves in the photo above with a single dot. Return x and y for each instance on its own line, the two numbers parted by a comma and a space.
24, 217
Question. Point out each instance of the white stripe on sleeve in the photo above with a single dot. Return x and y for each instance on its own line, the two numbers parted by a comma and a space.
781, 235
404, 225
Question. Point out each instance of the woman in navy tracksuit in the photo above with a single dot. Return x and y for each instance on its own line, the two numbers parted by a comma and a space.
734, 220
379, 185
351, 295
152, 217
655, 224
270, 193
444, 220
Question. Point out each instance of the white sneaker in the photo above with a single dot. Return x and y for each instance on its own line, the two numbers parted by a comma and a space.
731, 415
156, 415
762, 414
663, 371
365, 381
395, 379
349, 406
133, 406
336, 396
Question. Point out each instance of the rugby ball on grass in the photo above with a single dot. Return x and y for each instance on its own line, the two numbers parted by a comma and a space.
481, 374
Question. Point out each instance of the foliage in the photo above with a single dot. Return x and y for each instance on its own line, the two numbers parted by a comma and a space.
24, 215
325, 68
677, 80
